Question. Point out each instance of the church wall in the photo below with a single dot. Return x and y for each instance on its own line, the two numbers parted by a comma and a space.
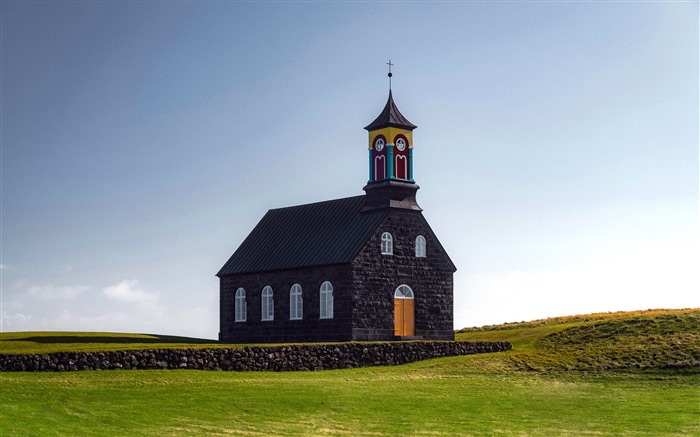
282, 329
376, 277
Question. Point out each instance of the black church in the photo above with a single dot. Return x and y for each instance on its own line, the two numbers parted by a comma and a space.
365, 268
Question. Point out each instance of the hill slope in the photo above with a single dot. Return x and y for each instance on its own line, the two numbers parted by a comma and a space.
35, 342
653, 339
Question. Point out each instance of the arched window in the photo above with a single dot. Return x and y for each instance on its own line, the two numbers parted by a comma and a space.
268, 304
403, 292
379, 168
420, 246
240, 310
387, 244
401, 153
295, 303
326, 299
401, 167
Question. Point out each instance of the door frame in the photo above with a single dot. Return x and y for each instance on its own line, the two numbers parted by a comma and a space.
404, 311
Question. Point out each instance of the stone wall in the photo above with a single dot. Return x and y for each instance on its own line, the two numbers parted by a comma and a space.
269, 358
376, 277
282, 329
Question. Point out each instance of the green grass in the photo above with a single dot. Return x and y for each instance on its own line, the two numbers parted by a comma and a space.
411, 399
527, 391
654, 339
56, 341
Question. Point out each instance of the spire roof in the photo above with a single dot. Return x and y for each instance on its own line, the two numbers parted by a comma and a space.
390, 117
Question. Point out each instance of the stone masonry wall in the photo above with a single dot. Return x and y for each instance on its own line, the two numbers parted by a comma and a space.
270, 358
282, 329
376, 277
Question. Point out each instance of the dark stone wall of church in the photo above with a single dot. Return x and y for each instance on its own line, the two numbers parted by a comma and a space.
282, 329
376, 277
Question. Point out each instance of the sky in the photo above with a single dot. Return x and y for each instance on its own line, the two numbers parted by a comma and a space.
556, 149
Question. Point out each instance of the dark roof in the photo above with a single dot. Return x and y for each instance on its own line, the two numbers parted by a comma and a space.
316, 234
390, 117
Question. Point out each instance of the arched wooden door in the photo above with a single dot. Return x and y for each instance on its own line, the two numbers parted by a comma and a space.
403, 312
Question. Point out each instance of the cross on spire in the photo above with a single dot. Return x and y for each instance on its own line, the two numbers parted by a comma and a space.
389, 64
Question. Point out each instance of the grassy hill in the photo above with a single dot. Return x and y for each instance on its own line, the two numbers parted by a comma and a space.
653, 339
35, 342
626, 383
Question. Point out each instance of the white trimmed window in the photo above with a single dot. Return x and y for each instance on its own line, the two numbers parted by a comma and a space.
326, 299
268, 304
295, 303
403, 292
387, 244
420, 246
240, 310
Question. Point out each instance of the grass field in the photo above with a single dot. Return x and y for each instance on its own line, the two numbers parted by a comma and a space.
613, 386
47, 342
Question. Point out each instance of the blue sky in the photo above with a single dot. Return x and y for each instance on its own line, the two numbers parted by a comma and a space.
556, 149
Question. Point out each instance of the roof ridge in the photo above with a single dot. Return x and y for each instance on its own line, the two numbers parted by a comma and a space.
315, 203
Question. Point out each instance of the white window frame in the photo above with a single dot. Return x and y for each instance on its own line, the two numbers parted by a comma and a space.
420, 247
379, 144
296, 303
267, 301
326, 301
379, 162
240, 310
400, 144
387, 244
403, 162
403, 292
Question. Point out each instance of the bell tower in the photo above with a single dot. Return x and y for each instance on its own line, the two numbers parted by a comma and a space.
391, 183
390, 145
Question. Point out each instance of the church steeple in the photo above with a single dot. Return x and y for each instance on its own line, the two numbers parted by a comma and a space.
391, 145
391, 183
390, 117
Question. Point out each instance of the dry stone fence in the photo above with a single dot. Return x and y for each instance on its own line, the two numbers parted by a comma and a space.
251, 358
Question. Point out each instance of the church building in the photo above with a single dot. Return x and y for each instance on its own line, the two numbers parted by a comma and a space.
364, 268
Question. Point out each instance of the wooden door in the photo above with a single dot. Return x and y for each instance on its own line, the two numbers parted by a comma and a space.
398, 317
404, 312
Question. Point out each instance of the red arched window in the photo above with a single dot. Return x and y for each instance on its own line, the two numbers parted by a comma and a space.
379, 168
379, 163
401, 157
